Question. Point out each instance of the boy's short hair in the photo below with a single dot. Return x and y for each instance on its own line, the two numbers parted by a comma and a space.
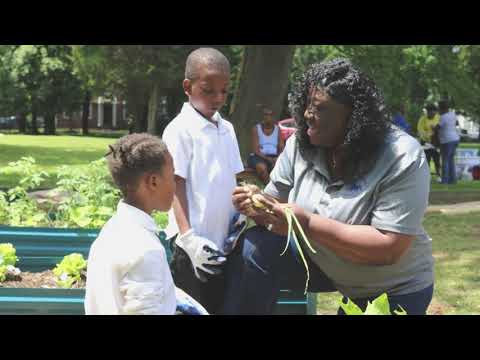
443, 105
132, 156
211, 57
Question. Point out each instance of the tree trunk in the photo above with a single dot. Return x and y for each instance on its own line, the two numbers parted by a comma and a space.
264, 79
49, 124
152, 125
137, 99
34, 122
22, 123
86, 112
141, 117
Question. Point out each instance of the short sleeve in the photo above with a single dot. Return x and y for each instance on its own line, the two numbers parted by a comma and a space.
402, 196
180, 146
442, 121
282, 176
237, 159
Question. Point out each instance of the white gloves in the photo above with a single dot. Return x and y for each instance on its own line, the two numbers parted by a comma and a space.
203, 254
239, 224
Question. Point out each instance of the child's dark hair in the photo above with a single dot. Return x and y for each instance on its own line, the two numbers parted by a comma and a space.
367, 126
210, 57
133, 155
443, 105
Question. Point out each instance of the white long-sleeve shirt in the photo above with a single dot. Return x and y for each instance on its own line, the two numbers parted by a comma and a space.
128, 272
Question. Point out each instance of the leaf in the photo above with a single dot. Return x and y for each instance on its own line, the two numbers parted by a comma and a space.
3, 273
379, 306
105, 211
350, 308
38, 217
81, 215
304, 237
7, 253
288, 215
69, 270
161, 219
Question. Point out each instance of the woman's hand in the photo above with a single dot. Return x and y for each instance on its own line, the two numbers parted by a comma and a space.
276, 218
242, 200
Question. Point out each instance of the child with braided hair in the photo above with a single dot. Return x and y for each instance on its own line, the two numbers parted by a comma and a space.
128, 272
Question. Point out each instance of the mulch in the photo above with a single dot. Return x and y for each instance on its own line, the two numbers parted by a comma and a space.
44, 279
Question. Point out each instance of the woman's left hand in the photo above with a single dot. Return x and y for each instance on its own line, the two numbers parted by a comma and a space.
277, 220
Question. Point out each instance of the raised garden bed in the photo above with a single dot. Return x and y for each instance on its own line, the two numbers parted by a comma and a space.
40, 249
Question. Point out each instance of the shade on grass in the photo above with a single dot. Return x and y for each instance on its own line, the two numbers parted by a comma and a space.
456, 248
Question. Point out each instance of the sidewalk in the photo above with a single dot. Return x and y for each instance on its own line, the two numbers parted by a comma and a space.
461, 208
56, 197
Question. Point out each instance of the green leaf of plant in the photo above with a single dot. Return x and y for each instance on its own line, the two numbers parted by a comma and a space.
379, 306
350, 308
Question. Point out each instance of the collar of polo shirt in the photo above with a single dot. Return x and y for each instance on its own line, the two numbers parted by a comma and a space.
318, 161
131, 213
201, 121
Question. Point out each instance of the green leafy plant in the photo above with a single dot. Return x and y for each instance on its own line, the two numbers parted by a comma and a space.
70, 270
16, 207
8, 259
89, 197
379, 306
161, 219
27, 169
92, 198
4, 215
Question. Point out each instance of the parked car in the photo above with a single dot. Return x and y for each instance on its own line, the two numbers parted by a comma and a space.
287, 128
466, 136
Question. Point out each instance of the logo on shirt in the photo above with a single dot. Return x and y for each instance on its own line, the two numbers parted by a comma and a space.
354, 188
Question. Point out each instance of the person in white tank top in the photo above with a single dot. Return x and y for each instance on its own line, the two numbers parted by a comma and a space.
267, 144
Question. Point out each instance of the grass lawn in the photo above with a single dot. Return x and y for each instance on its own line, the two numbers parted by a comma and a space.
456, 248
470, 145
460, 186
462, 191
50, 152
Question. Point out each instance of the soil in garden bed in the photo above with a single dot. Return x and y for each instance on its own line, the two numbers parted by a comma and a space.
44, 279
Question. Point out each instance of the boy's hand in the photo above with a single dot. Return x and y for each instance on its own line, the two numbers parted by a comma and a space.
203, 253
241, 199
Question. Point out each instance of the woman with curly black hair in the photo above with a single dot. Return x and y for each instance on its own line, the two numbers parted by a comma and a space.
358, 186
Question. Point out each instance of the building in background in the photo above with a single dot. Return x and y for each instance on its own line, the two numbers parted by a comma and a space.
104, 113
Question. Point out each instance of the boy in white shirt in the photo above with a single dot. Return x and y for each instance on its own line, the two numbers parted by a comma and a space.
128, 272
207, 158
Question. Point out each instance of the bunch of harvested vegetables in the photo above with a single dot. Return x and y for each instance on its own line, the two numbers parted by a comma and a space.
258, 203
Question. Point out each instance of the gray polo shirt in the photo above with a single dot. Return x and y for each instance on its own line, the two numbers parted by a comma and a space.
393, 196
